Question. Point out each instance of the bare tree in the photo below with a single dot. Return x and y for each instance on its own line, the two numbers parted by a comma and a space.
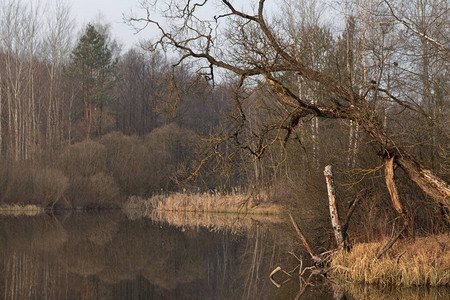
20, 40
261, 51
56, 48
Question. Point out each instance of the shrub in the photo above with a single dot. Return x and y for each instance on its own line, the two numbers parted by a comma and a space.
105, 188
24, 184
48, 186
83, 159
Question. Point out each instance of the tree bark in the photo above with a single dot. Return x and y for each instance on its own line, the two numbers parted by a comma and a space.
334, 216
390, 183
429, 183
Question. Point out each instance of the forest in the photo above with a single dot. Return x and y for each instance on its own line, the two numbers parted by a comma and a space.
263, 107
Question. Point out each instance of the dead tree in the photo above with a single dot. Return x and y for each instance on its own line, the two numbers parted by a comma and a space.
254, 48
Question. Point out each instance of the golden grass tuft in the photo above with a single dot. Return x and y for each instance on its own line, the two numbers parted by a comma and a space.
422, 262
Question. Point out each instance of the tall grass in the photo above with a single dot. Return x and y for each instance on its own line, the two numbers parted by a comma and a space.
233, 202
423, 262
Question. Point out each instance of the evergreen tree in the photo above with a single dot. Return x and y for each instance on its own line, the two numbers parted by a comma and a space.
92, 68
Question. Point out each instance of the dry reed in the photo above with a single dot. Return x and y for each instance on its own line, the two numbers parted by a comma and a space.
422, 262
229, 221
234, 202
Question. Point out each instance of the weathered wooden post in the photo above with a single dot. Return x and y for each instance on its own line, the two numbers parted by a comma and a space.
333, 208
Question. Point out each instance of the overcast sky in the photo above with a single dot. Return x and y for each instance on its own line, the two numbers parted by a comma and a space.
85, 11
112, 11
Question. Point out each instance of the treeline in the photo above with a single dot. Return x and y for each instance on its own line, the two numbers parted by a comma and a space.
57, 89
83, 123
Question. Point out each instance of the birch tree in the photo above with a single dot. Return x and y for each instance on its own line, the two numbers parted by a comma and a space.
56, 47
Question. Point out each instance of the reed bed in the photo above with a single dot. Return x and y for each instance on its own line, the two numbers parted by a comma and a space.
422, 262
233, 202
228, 221
20, 210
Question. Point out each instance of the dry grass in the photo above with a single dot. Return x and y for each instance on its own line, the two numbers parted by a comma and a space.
223, 218
233, 202
20, 210
422, 262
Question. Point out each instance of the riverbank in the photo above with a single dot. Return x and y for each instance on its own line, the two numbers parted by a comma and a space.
230, 203
234, 203
423, 261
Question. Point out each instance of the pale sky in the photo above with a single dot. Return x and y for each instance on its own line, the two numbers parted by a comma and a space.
85, 11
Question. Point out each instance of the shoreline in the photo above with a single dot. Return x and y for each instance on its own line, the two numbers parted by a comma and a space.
233, 203
420, 261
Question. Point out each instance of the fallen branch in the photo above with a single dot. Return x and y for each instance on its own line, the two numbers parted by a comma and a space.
317, 259
351, 210
304, 287
277, 269
389, 245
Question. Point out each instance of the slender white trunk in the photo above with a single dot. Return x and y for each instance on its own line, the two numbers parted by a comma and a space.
334, 216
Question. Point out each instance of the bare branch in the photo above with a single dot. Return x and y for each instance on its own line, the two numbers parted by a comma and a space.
410, 27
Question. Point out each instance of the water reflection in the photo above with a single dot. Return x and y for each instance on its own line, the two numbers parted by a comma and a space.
358, 292
110, 256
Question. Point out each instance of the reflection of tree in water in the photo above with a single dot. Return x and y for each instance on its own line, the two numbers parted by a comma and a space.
106, 255
26, 245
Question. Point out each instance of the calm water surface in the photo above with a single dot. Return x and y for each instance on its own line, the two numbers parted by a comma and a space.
117, 256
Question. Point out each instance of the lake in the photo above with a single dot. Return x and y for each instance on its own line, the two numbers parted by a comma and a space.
113, 255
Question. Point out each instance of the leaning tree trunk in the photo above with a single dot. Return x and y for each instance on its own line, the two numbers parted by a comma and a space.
427, 181
432, 185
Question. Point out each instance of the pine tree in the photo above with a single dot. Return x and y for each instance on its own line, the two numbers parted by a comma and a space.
92, 68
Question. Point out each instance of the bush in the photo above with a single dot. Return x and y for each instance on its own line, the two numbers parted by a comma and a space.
24, 184
83, 159
105, 188
49, 186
